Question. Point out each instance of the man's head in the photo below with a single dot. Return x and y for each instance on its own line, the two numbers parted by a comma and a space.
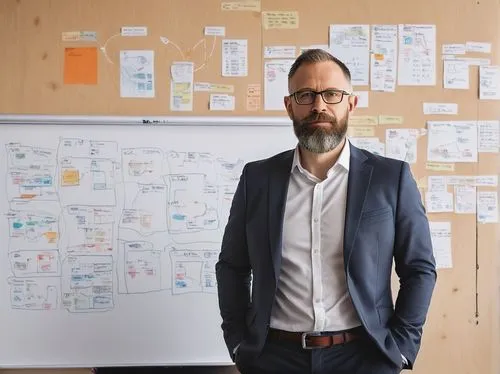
319, 125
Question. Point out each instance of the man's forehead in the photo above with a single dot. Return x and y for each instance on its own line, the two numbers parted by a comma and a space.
326, 72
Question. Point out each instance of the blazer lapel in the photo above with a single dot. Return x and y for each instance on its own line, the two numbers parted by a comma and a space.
357, 187
277, 191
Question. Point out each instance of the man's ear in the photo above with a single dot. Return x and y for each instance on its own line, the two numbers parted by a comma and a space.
288, 106
353, 103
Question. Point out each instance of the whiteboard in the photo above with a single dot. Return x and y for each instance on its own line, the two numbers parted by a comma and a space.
110, 237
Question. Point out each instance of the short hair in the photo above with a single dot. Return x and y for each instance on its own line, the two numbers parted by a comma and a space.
312, 56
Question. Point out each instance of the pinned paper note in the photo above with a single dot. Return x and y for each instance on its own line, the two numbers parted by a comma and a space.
234, 58
253, 97
79, 36
487, 207
441, 243
489, 82
440, 108
215, 30
249, 6
80, 65
361, 131
478, 47
279, 51
181, 86
489, 136
453, 49
280, 20
222, 102
363, 120
439, 166
134, 31
390, 120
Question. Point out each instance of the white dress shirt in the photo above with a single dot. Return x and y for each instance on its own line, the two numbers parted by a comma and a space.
312, 290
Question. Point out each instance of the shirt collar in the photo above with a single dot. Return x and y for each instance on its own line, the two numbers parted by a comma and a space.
343, 160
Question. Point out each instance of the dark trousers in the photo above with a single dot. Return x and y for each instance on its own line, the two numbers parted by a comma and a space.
359, 356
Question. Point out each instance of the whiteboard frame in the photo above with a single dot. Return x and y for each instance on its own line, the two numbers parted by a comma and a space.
35, 119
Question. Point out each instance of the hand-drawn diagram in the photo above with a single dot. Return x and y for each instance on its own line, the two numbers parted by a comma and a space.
34, 293
91, 222
87, 283
90, 229
452, 141
31, 173
193, 271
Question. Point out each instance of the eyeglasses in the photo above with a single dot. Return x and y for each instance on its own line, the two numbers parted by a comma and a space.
330, 96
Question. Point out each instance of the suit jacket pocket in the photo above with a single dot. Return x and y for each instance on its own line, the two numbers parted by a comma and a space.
376, 215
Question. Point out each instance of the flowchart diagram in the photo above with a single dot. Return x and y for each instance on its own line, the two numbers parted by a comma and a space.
89, 221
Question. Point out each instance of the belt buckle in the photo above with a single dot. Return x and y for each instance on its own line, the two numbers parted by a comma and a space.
304, 337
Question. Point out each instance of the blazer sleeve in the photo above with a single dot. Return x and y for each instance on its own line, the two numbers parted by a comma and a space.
233, 270
415, 266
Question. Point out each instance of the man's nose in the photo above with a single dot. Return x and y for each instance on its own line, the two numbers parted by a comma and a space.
319, 104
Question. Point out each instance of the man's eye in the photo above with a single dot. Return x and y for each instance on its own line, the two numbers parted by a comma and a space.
306, 95
332, 94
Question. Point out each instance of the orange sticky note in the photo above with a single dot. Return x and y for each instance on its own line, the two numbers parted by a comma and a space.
80, 65
70, 177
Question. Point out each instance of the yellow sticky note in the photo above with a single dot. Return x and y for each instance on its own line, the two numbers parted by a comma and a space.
250, 6
390, 120
280, 20
361, 131
363, 120
51, 236
439, 166
224, 88
70, 177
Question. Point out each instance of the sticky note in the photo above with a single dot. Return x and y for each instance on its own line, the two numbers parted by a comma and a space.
80, 65
70, 177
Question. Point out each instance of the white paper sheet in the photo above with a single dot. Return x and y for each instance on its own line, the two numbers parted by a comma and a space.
441, 243
456, 75
137, 77
417, 55
441, 108
437, 183
401, 144
351, 44
478, 47
276, 51
489, 82
276, 83
181, 86
487, 206
234, 58
439, 202
384, 58
465, 199
489, 136
453, 49
370, 144
453, 141
221, 102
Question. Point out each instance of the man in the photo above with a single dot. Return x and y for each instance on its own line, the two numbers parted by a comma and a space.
314, 231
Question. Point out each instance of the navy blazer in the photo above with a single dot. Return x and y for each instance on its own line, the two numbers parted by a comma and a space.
384, 220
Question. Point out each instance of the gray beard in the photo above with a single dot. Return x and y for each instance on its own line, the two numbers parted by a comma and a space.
320, 141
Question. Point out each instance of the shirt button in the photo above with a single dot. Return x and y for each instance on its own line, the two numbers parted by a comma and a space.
317, 301
315, 220
315, 251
